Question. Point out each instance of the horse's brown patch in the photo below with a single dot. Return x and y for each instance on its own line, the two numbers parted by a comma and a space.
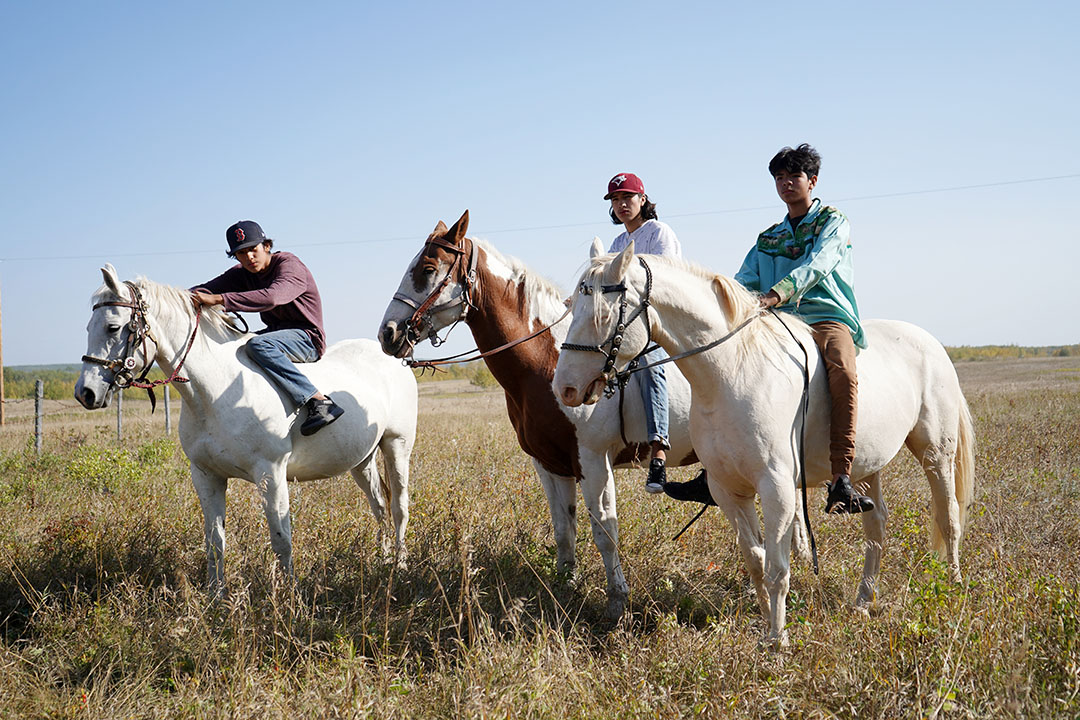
525, 372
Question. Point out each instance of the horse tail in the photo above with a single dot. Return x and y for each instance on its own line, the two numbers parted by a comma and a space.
963, 473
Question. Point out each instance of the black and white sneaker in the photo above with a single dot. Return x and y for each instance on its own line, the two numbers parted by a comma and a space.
657, 476
320, 414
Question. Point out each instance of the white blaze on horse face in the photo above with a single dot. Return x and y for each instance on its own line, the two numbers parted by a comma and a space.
104, 338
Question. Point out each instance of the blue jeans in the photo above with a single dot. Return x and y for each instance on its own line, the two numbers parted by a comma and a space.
276, 351
655, 396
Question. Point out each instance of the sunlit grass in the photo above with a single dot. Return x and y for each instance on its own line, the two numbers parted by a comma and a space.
103, 614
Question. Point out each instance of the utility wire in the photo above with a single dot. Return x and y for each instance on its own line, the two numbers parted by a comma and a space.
727, 211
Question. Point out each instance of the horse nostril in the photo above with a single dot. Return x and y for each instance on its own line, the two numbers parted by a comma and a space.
85, 396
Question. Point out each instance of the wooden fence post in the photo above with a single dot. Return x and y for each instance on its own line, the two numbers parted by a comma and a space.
119, 414
39, 399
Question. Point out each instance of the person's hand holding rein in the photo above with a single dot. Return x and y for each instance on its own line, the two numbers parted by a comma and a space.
200, 299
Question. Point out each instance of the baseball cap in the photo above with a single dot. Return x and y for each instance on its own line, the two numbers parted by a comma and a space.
624, 182
243, 235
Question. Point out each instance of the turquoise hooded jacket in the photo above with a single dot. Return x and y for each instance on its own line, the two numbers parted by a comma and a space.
809, 267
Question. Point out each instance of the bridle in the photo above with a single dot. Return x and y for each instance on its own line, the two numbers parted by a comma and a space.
613, 378
423, 311
123, 369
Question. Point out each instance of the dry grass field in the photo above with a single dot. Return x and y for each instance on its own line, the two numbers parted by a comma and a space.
103, 614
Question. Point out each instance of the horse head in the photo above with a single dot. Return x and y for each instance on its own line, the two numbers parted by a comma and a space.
435, 291
116, 344
603, 336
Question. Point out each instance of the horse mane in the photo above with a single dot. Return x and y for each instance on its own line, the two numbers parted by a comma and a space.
176, 301
736, 302
544, 298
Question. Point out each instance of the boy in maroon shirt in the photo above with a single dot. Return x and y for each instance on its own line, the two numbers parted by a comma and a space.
282, 290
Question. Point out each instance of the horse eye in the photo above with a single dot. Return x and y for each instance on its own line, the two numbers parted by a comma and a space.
429, 270
113, 329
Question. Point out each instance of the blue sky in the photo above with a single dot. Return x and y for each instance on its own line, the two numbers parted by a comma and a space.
135, 133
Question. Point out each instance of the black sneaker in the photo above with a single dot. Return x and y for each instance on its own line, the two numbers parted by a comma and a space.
844, 499
320, 414
657, 476
696, 490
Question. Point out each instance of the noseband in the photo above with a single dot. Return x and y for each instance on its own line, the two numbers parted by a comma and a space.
612, 377
124, 368
423, 312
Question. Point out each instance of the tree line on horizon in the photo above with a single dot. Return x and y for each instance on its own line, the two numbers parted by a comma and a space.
59, 380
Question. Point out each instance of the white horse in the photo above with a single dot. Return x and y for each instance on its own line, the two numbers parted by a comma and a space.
236, 423
455, 278
747, 398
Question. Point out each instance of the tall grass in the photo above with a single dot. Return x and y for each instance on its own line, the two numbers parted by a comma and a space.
103, 614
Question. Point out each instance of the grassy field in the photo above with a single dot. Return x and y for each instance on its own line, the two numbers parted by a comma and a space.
103, 615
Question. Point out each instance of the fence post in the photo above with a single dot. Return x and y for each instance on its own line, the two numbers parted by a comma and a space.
119, 414
168, 418
39, 399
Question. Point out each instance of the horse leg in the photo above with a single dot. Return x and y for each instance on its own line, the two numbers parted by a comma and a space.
562, 501
366, 476
270, 479
396, 452
778, 503
598, 489
937, 460
742, 515
800, 541
873, 523
211, 491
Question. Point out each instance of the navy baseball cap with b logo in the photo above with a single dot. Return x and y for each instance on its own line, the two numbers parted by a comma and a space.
243, 235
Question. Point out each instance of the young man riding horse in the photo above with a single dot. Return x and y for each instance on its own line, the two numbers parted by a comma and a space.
282, 290
803, 265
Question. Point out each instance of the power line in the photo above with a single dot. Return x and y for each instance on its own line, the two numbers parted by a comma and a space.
726, 211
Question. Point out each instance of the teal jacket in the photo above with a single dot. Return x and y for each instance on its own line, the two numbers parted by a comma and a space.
809, 267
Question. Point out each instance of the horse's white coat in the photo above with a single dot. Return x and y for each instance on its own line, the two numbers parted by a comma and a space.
744, 421
236, 423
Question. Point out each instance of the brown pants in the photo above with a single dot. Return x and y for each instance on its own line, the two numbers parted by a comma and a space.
838, 351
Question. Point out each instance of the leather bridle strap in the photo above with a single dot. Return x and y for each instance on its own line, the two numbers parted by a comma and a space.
423, 310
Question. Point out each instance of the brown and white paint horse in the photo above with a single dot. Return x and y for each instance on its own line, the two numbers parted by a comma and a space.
505, 301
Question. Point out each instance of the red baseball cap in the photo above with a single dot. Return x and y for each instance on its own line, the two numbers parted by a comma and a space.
625, 182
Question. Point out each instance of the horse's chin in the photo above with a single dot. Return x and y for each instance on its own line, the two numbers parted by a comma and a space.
594, 391
393, 343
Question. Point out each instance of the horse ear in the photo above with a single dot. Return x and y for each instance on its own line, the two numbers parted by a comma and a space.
616, 271
112, 280
597, 249
457, 232
439, 230
724, 296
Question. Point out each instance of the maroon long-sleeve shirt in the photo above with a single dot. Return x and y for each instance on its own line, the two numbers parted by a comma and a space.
284, 295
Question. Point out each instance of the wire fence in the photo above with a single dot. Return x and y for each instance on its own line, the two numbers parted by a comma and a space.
34, 412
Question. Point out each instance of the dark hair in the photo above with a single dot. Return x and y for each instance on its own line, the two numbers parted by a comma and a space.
648, 211
268, 242
801, 159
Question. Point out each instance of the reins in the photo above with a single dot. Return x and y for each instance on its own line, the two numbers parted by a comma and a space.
139, 333
454, 359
